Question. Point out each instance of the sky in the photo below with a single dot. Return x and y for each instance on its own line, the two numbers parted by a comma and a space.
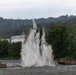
28, 9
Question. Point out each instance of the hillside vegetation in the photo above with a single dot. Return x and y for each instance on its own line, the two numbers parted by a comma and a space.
10, 27
60, 33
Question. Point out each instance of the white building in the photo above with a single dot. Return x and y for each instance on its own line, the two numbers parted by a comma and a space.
18, 38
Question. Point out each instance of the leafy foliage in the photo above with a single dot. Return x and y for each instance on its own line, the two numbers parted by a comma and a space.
57, 37
11, 50
71, 43
3, 48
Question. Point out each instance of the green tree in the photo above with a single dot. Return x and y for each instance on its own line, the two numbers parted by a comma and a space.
14, 50
71, 43
3, 49
57, 37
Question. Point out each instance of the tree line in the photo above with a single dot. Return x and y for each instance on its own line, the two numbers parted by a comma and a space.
63, 41
11, 27
10, 50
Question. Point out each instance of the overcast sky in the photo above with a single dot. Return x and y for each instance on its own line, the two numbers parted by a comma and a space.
36, 8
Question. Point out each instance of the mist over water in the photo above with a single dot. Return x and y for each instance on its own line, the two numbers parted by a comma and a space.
35, 51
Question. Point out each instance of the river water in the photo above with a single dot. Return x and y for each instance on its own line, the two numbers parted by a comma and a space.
15, 69
11, 63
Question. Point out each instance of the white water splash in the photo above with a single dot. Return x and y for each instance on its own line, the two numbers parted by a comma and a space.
35, 51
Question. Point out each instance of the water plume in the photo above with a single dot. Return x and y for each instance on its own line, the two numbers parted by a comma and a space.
35, 51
